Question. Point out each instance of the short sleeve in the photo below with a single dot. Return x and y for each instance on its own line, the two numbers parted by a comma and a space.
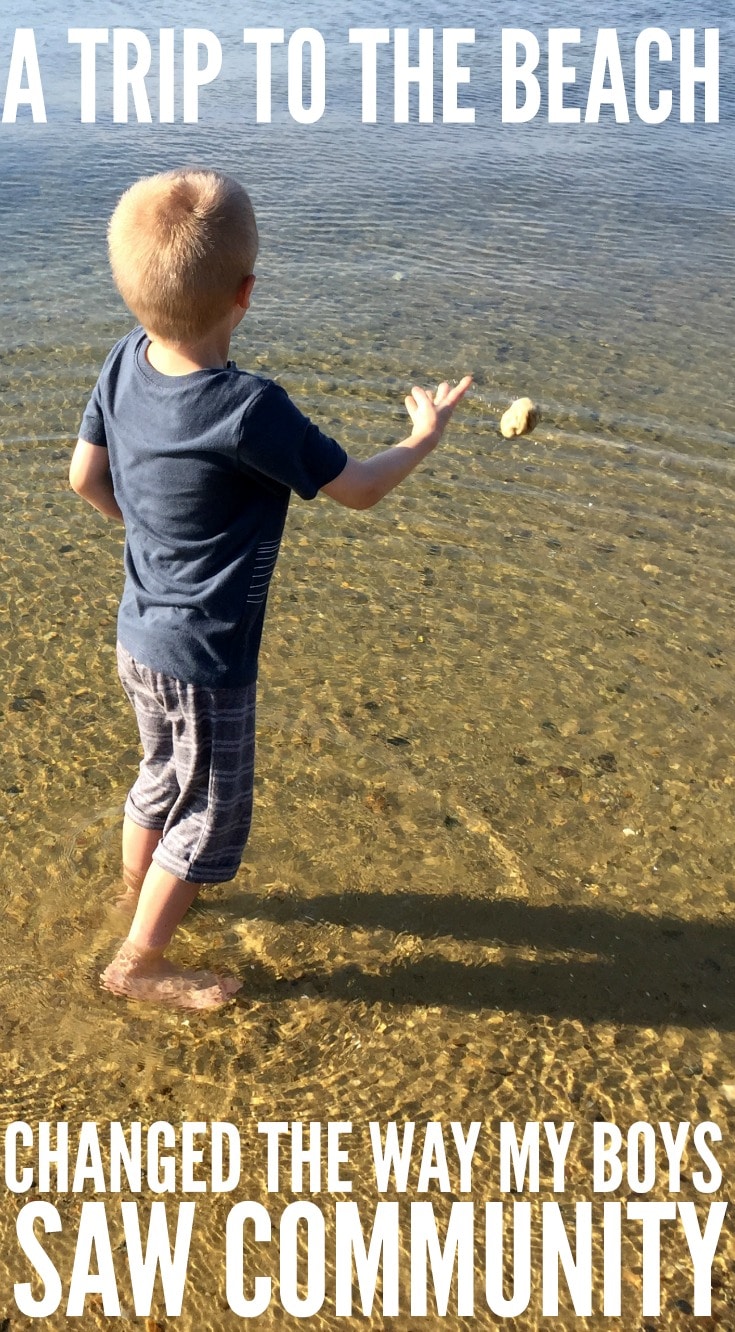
93, 422
279, 442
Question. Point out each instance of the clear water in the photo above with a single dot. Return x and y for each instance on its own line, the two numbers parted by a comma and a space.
490, 875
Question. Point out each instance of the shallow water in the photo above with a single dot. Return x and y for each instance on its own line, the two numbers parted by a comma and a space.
490, 875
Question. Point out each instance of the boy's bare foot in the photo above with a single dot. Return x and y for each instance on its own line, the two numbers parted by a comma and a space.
153, 979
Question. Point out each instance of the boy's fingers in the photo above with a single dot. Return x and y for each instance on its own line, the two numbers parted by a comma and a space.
444, 396
447, 396
459, 390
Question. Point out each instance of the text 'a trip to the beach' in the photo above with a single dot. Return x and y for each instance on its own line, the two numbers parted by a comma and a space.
394, 75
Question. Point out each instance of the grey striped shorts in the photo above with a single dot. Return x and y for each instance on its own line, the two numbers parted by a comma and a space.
196, 777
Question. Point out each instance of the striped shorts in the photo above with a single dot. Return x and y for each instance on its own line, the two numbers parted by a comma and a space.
196, 778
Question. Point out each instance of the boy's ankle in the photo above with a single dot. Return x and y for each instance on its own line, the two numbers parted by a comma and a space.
134, 957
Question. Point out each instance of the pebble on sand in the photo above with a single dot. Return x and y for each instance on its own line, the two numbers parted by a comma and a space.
520, 419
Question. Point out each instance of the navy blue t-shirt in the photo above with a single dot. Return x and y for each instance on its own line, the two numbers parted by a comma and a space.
203, 466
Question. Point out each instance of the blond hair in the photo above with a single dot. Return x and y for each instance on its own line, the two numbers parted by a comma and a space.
180, 245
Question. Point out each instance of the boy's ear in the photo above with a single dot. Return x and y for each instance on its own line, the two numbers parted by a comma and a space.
245, 291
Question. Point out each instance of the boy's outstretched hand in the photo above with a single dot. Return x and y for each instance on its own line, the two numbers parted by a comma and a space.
431, 412
365, 481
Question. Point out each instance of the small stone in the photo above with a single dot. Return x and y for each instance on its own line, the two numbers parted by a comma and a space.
520, 419
607, 762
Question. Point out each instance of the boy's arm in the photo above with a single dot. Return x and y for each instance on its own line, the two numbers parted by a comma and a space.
362, 483
90, 477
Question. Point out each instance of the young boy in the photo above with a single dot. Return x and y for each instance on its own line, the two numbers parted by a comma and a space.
198, 459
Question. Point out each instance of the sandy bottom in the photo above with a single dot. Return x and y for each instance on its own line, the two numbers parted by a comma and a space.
490, 876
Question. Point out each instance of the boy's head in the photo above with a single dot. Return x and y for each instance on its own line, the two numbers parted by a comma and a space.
180, 246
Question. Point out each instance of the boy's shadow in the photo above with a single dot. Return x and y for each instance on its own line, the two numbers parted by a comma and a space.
621, 968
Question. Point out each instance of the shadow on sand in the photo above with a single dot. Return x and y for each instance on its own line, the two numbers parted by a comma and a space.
621, 968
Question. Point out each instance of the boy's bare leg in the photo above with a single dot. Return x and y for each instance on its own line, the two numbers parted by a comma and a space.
140, 971
138, 845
